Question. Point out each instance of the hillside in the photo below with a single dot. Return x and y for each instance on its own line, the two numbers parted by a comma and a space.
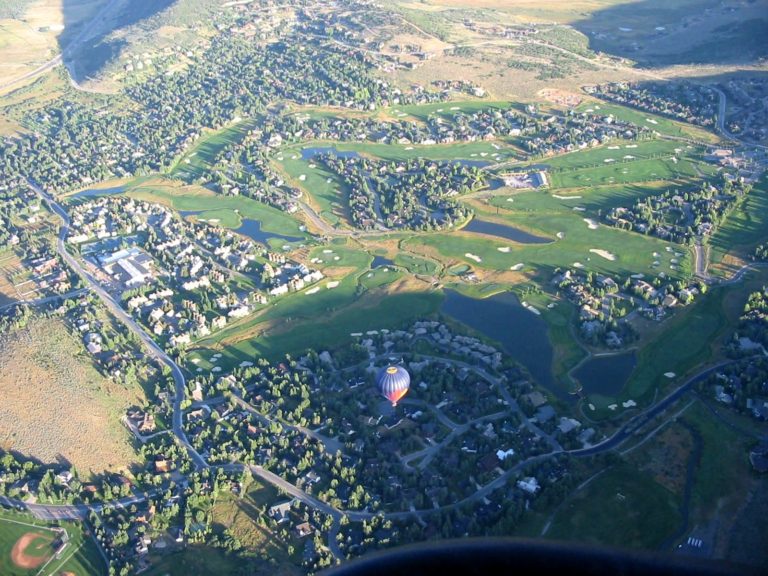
56, 406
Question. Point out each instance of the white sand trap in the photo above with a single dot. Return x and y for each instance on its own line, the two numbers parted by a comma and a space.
651, 121
303, 177
670, 374
329, 180
510, 199
313, 165
609, 160
530, 308
655, 254
295, 157
638, 275
474, 257
216, 369
455, 107
614, 147
579, 209
591, 224
622, 29
195, 360
516, 267
337, 258
326, 251
560, 235
604, 253
629, 157
660, 28
578, 265
217, 355
483, 154
332, 284
631, 146
504, 249
674, 261
566, 197
612, 406
473, 154
629, 404
246, 363
311, 291
199, 370
592, 407
409, 148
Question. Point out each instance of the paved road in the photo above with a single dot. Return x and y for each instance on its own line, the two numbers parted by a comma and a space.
46, 300
154, 350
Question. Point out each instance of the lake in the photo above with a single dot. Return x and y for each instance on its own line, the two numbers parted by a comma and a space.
92, 192
249, 227
504, 231
606, 375
252, 229
522, 334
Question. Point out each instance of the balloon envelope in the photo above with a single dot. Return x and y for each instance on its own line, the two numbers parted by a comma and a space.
393, 383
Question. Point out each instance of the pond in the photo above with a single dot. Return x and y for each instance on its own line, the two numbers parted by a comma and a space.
252, 229
522, 334
249, 227
504, 231
92, 192
381, 261
312, 151
606, 375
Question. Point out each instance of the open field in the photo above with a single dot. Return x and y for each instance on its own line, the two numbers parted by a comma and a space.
623, 507
27, 544
56, 406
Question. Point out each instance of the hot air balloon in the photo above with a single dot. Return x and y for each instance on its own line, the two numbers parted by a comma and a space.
393, 383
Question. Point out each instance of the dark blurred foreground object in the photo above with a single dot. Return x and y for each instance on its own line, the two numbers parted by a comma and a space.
516, 557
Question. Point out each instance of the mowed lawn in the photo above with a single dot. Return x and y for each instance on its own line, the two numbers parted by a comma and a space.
633, 253
623, 508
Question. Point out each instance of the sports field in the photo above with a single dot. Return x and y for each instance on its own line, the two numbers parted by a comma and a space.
29, 547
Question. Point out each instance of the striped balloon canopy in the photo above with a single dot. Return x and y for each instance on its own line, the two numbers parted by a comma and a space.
393, 383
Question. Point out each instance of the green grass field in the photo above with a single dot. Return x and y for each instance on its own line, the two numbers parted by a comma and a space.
80, 556
199, 160
662, 125
623, 508
229, 210
744, 229
633, 253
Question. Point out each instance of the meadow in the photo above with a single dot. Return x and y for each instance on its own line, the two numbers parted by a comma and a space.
623, 508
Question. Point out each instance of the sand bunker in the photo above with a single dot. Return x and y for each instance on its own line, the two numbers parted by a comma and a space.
332, 284
504, 249
474, 257
578, 265
565, 197
670, 374
311, 291
591, 224
604, 253
516, 267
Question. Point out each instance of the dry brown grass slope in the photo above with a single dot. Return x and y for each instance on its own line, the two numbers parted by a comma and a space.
53, 402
